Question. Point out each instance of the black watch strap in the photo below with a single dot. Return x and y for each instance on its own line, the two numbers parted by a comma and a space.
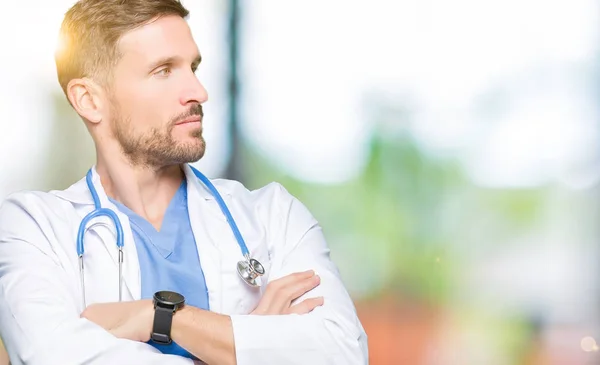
161, 331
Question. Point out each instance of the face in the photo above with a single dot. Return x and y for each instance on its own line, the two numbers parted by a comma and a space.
155, 96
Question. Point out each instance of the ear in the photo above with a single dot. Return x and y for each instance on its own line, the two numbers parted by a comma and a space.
87, 99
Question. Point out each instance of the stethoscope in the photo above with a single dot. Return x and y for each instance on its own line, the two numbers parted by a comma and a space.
249, 269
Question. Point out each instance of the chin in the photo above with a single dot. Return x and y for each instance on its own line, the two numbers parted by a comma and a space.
191, 152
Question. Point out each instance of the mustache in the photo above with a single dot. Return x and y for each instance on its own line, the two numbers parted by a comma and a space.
195, 110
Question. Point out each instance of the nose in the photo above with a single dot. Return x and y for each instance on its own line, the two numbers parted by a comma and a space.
194, 92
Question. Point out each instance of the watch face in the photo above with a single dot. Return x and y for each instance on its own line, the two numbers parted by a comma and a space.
169, 297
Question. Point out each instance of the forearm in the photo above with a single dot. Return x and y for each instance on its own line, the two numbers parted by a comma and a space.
76, 342
207, 335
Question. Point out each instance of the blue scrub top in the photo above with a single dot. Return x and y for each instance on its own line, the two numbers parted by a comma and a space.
169, 258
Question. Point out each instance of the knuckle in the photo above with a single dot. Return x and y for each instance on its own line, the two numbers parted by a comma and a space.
302, 275
288, 292
309, 284
273, 285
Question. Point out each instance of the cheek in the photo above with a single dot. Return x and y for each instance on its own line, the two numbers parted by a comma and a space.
147, 115
148, 105
153, 107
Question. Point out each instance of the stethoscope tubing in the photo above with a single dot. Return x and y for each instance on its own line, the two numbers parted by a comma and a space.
105, 212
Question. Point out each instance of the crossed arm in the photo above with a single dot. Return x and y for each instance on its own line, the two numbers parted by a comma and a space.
207, 335
41, 324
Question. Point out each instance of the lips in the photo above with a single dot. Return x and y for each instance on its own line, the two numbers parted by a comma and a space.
192, 119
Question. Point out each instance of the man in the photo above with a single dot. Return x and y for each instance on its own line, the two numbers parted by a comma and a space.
127, 68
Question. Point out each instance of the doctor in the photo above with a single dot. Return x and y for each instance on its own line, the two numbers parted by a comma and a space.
173, 294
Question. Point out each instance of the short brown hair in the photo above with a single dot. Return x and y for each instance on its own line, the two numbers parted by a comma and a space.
91, 30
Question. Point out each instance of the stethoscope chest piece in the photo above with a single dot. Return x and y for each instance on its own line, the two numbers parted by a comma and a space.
249, 270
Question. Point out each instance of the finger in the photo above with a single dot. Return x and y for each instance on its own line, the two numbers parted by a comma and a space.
276, 286
280, 292
292, 278
301, 287
285, 296
306, 306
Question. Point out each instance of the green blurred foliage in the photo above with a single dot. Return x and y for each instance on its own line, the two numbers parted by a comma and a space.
386, 221
404, 225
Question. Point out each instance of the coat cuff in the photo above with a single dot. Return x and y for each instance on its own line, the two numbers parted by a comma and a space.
278, 339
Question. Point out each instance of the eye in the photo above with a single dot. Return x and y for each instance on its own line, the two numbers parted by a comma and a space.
163, 72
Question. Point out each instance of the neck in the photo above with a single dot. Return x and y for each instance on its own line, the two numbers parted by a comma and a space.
146, 190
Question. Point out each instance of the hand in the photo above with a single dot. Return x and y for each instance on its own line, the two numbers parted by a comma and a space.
282, 292
131, 320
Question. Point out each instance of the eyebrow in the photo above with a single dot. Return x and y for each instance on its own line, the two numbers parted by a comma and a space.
171, 60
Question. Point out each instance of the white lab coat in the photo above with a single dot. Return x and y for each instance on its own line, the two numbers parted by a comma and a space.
40, 291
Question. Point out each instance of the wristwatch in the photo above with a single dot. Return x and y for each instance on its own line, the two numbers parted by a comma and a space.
166, 303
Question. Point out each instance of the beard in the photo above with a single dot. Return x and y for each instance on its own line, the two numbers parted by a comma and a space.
157, 148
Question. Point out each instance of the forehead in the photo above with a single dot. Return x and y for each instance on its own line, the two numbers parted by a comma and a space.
166, 36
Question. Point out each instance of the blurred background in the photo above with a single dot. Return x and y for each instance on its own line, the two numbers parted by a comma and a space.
449, 149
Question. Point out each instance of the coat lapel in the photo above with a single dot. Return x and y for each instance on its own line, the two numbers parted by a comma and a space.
204, 218
218, 248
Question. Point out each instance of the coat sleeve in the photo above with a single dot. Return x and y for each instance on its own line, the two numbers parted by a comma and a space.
39, 318
330, 334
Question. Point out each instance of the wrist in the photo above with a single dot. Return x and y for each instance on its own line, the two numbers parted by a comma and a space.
205, 334
181, 318
166, 305
148, 318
